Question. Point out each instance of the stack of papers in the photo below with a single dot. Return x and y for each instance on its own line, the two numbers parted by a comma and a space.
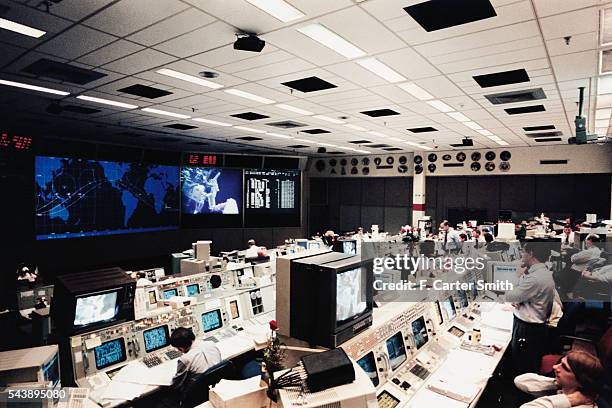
137, 373
229, 389
122, 391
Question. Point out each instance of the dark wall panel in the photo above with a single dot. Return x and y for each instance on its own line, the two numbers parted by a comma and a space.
554, 193
262, 237
318, 219
452, 193
395, 217
351, 191
398, 191
483, 192
350, 217
517, 193
591, 194
372, 216
372, 191
318, 191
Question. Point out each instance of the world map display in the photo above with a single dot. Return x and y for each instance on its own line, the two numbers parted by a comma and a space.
78, 197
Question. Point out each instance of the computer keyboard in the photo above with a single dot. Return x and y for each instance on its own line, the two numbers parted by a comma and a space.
152, 361
420, 371
172, 354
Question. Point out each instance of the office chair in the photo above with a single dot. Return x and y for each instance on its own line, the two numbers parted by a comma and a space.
196, 391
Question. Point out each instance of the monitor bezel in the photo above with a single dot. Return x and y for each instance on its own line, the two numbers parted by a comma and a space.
144, 339
220, 320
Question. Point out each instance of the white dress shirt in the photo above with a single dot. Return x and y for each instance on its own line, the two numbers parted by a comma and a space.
580, 260
201, 356
567, 240
534, 294
252, 252
539, 386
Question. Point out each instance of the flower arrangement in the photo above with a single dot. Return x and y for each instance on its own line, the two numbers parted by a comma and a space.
273, 354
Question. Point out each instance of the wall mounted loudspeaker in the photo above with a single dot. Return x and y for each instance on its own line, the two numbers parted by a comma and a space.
418, 159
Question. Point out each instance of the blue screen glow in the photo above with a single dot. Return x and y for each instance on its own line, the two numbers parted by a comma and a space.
78, 197
170, 293
156, 338
193, 290
109, 353
211, 320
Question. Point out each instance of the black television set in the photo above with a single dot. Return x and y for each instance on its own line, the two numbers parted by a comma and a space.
92, 300
346, 246
331, 298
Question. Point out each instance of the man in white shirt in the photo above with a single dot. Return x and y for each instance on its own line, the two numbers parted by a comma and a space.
198, 356
567, 237
450, 238
579, 263
576, 381
252, 251
533, 299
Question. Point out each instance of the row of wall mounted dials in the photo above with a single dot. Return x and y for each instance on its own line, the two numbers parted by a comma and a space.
460, 157
338, 166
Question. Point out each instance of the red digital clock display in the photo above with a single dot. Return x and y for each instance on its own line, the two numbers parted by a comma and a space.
197, 159
16, 142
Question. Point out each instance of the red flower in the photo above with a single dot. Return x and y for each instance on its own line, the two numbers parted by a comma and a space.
273, 325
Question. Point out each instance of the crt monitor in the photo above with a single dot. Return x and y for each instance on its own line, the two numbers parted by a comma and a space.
368, 364
302, 243
449, 307
193, 289
110, 353
156, 338
419, 331
350, 296
96, 308
168, 293
504, 272
211, 320
396, 350
314, 244
463, 300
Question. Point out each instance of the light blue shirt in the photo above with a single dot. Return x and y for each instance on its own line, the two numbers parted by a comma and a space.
534, 294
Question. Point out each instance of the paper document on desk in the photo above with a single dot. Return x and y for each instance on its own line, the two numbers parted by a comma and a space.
229, 389
234, 346
258, 332
136, 372
499, 318
116, 390
428, 398
474, 368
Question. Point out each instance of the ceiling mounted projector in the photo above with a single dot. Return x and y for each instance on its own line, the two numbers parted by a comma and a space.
249, 42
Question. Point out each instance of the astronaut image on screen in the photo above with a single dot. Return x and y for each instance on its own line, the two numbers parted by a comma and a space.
203, 188
96, 308
348, 295
419, 331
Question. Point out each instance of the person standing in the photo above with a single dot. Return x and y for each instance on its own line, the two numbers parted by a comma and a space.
533, 299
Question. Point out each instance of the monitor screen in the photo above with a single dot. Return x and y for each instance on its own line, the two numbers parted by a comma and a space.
155, 338
303, 244
314, 245
368, 365
419, 331
193, 289
79, 198
463, 300
449, 306
51, 371
211, 197
109, 353
170, 293
350, 294
211, 320
439, 312
234, 310
396, 350
272, 198
96, 308
505, 273
349, 247
152, 297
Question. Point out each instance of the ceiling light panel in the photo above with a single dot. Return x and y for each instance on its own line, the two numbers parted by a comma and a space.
248, 95
189, 78
331, 40
21, 28
439, 105
330, 120
459, 116
472, 125
355, 127
278, 9
33, 87
248, 129
416, 91
294, 109
211, 122
484, 132
278, 135
165, 113
106, 102
375, 66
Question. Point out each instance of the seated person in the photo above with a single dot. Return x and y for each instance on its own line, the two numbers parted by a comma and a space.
253, 249
328, 238
567, 237
579, 262
198, 356
577, 378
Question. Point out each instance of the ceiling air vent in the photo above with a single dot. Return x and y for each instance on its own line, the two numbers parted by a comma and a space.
516, 96
287, 124
62, 72
553, 161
